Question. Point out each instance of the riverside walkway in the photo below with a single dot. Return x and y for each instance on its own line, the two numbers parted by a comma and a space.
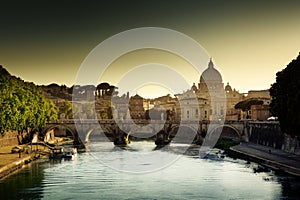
272, 158
10, 162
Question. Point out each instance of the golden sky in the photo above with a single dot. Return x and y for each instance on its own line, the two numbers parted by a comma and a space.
249, 41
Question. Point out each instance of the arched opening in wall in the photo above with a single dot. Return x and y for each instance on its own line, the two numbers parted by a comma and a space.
229, 137
69, 134
144, 133
59, 134
98, 135
183, 135
230, 133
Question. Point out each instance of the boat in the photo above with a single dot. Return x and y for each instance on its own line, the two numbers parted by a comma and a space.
215, 154
57, 153
70, 153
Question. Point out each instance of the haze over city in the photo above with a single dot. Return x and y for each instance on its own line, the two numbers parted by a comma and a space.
249, 41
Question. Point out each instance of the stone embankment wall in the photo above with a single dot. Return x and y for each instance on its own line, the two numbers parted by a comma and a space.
274, 138
291, 144
9, 139
267, 136
11, 167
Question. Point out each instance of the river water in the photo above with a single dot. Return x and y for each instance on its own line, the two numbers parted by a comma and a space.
103, 172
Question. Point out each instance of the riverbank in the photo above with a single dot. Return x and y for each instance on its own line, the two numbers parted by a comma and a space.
10, 162
275, 159
225, 144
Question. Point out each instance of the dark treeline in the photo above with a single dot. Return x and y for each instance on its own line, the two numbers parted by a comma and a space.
79, 91
285, 94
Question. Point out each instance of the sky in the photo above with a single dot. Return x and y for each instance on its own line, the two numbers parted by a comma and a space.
249, 41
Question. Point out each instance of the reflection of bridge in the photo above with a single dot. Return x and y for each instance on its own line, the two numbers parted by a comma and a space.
82, 130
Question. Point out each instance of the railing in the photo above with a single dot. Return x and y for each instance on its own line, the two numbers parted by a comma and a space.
146, 121
137, 121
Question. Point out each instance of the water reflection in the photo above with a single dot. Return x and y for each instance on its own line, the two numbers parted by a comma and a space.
24, 184
187, 178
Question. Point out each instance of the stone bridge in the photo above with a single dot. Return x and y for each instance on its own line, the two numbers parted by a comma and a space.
82, 131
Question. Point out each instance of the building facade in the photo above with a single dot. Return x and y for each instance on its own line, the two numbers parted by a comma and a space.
136, 107
205, 102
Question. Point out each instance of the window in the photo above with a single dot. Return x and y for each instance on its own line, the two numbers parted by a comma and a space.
187, 114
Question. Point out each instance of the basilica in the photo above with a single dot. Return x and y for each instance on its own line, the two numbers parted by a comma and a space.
210, 100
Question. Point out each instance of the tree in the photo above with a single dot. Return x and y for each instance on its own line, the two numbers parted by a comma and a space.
286, 97
246, 104
23, 106
66, 108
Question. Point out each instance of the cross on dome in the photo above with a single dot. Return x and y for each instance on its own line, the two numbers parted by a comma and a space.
211, 64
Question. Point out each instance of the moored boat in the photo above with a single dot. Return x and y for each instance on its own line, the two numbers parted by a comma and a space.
70, 153
57, 153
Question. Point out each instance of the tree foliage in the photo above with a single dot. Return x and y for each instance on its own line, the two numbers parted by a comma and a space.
55, 90
65, 108
23, 106
285, 94
246, 104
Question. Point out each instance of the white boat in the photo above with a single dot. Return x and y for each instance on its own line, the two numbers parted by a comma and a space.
70, 153
215, 154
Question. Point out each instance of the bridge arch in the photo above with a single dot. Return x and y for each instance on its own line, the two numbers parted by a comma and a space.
59, 127
228, 131
51, 127
143, 132
177, 126
188, 133
103, 132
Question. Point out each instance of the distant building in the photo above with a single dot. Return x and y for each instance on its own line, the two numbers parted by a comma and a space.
232, 98
120, 107
192, 107
136, 107
260, 112
258, 94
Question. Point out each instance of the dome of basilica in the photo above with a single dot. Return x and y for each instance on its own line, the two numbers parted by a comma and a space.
211, 74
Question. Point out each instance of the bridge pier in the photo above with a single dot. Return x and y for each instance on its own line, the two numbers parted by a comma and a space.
162, 138
122, 139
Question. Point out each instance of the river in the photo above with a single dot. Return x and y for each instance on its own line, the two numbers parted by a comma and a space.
103, 172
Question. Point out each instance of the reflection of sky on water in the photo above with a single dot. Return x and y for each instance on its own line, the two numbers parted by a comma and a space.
187, 178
